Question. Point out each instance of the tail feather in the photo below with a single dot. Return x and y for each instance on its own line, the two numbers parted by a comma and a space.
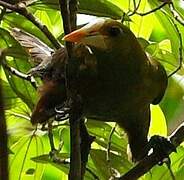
52, 94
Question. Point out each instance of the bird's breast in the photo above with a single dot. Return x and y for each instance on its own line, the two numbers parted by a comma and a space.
112, 90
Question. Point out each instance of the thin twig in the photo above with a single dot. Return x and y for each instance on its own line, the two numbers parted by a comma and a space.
176, 138
111, 170
51, 139
20, 74
176, 14
21, 9
136, 7
109, 143
180, 49
153, 10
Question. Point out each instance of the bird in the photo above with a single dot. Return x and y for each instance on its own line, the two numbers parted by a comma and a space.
116, 80
122, 81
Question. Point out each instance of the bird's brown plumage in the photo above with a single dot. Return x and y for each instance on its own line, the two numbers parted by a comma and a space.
114, 77
124, 83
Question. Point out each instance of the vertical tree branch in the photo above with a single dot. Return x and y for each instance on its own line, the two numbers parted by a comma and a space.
65, 13
86, 141
3, 137
73, 13
75, 152
68, 12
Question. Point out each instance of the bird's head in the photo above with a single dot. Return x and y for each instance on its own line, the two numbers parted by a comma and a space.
104, 34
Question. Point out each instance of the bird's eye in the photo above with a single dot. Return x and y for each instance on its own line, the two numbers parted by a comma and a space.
114, 31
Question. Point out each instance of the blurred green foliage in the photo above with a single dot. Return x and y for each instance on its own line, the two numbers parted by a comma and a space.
159, 37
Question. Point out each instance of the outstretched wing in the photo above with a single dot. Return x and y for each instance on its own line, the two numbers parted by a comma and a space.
38, 50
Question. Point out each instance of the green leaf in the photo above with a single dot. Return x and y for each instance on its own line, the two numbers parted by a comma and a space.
179, 6
9, 97
162, 172
21, 167
52, 19
64, 167
102, 8
102, 132
14, 19
172, 105
158, 124
180, 173
22, 88
141, 25
53, 173
117, 162
171, 32
162, 53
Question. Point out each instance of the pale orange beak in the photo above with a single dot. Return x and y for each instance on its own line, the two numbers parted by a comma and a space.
75, 36
90, 29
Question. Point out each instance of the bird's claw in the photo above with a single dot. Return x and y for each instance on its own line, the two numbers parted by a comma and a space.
35, 72
62, 113
163, 147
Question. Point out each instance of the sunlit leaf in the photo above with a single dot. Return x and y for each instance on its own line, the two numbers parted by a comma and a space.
179, 5
158, 123
173, 98
102, 132
97, 7
13, 20
22, 88
45, 159
20, 163
162, 172
9, 97
171, 32
141, 25
100, 161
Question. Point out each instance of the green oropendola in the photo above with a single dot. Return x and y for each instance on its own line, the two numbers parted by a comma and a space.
115, 78
123, 81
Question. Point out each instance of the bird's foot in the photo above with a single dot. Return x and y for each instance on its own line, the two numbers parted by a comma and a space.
36, 71
163, 147
62, 113
54, 156
53, 153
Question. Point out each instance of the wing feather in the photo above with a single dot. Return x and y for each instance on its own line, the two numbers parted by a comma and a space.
36, 48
